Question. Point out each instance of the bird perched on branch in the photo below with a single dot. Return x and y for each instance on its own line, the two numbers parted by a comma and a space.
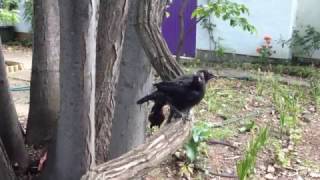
181, 94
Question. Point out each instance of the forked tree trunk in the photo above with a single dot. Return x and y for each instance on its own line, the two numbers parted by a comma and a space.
6, 172
138, 161
128, 127
150, 15
10, 131
111, 32
74, 149
44, 95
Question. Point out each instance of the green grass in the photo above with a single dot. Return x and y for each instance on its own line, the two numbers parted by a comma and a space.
246, 165
222, 100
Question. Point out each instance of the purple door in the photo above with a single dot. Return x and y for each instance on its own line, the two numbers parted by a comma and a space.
170, 28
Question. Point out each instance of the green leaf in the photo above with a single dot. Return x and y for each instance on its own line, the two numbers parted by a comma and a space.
191, 151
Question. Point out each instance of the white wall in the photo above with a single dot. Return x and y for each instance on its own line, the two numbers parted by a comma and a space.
22, 26
273, 17
308, 14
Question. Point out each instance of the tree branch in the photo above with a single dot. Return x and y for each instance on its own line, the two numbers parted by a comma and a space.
149, 21
143, 158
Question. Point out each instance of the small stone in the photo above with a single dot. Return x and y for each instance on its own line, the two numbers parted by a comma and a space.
307, 118
299, 178
312, 109
269, 176
270, 169
262, 167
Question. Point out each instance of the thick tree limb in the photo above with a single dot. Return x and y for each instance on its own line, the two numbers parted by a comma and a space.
148, 27
138, 161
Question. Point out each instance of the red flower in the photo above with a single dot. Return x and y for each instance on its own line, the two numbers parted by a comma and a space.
268, 39
258, 50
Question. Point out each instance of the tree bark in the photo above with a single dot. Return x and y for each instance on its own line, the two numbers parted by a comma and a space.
140, 160
10, 131
6, 172
111, 32
181, 29
74, 150
44, 95
150, 15
134, 82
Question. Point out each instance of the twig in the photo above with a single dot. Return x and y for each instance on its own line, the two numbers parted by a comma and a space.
212, 142
239, 119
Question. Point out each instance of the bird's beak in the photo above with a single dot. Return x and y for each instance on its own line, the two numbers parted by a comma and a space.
211, 76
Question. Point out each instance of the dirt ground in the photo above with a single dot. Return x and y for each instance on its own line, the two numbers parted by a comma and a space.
243, 103
20, 81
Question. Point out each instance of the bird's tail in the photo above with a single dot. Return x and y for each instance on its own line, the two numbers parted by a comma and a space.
150, 97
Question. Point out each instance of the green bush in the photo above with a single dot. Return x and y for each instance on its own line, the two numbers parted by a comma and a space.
9, 12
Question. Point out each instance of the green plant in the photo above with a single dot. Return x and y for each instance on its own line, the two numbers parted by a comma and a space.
9, 12
201, 132
246, 165
28, 11
305, 42
315, 90
265, 50
282, 155
225, 10
287, 105
248, 126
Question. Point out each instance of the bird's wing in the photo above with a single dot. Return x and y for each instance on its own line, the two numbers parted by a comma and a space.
170, 87
182, 81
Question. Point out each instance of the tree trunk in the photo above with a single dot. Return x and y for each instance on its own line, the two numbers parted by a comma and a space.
143, 158
134, 82
44, 95
74, 151
6, 172
150, 15
111, 32
10, 131
181, 29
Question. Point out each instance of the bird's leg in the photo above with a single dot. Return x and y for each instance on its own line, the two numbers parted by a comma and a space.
174, 112
170, 116
186, 117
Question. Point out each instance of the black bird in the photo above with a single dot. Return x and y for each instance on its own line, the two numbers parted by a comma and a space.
181, 94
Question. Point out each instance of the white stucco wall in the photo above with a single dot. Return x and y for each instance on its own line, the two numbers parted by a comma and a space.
273, 17
308, 14
22, 26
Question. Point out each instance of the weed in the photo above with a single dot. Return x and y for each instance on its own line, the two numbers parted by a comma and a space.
201, 132
282, 155
248, 126
246, 165
287, 104
315, 90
